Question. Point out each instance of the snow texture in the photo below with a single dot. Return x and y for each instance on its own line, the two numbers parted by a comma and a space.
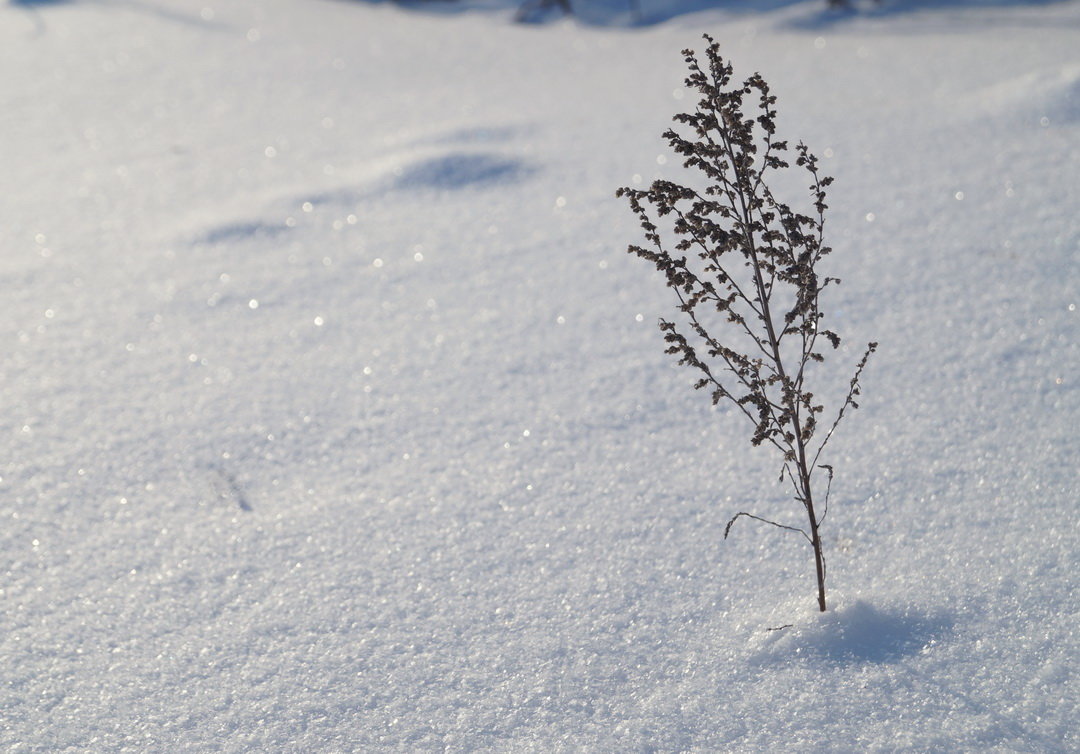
336, 418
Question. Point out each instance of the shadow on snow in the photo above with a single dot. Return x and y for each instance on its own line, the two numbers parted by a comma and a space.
818, 14
857, 633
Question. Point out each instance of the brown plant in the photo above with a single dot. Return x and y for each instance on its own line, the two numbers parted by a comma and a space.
744, 269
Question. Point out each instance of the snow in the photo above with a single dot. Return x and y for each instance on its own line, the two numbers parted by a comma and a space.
336, 417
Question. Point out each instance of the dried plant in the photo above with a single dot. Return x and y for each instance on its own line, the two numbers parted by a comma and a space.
744, 267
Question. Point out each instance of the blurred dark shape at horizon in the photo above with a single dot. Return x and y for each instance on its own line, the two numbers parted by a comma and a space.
819, 14
630, 13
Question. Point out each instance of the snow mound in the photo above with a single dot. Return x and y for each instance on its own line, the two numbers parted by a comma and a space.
1048, 96
857, 632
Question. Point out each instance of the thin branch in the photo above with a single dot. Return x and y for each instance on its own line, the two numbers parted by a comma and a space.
739, 515
853, 390
828, 489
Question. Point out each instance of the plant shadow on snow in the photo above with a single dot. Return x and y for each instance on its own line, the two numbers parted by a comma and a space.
857, 633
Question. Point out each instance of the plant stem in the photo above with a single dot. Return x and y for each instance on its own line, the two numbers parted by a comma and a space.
815, 541
790, 389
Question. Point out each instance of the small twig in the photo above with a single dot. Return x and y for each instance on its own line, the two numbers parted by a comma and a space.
828, 488
727, 528
235, 491
853, 390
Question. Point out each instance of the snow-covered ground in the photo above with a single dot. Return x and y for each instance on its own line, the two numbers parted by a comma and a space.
335, 417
